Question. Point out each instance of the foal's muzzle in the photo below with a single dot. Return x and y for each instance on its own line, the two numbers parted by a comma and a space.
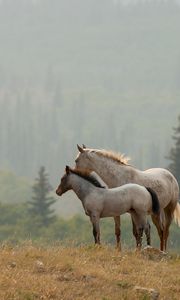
59, 192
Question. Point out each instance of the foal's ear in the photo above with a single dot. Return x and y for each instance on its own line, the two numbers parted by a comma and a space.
67, 169
84, 147
80, 149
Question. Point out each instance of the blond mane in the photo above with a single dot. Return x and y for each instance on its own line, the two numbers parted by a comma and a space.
120, 158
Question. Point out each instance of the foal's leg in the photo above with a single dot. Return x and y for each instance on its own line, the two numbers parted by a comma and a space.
140, 230
139, 223
117, 222
148, 233
96, 229
134, 229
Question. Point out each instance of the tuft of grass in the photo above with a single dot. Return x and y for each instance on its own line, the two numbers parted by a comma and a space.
124, 285
26, 295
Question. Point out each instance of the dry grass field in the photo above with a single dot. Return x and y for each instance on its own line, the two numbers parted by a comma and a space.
30, 272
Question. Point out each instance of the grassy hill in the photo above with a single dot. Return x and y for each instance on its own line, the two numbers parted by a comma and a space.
29, 272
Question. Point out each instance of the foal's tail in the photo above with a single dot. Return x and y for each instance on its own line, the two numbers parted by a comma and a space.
177, 214
155, 201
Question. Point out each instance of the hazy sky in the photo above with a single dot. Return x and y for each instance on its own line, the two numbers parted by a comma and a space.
115, 1
69, 62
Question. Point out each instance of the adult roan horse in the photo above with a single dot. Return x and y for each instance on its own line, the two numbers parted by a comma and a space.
115, 171
100, 202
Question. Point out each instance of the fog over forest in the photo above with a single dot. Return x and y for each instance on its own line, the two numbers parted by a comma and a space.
103, 73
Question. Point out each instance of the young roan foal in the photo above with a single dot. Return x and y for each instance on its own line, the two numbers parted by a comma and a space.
100, 202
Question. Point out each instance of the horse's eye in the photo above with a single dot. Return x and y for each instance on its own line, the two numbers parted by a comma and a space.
76, 160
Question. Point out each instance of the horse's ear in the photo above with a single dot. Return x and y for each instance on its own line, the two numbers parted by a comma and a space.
80, 149
84, 147
67, 169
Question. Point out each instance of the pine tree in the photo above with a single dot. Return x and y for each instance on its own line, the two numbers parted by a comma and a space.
39, 205
175, 153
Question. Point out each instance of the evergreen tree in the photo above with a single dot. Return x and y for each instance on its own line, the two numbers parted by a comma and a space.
39, 205
175, 153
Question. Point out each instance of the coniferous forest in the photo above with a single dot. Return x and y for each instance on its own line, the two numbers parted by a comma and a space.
104, 73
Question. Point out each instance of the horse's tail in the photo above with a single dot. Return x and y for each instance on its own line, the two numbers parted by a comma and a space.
155, 201
177, 214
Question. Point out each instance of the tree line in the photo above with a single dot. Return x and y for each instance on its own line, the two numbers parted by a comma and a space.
36, 219
43, 129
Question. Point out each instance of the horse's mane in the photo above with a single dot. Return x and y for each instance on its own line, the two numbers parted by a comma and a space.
86, 174
120, 158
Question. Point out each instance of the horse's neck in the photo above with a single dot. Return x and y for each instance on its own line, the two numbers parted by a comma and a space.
113, 173
80, 186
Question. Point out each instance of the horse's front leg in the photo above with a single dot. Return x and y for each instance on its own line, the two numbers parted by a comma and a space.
117, 222
159, 223
96, 229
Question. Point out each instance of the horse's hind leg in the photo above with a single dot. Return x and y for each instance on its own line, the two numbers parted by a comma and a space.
160, 227
168, 217
117, 222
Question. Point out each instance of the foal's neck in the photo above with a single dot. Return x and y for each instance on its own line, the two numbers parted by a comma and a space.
80, 186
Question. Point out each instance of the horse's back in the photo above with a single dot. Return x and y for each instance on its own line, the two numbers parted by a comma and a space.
163, 183
163, 176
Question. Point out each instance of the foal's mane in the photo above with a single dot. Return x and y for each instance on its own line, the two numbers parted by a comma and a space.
87, 176
119, 157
